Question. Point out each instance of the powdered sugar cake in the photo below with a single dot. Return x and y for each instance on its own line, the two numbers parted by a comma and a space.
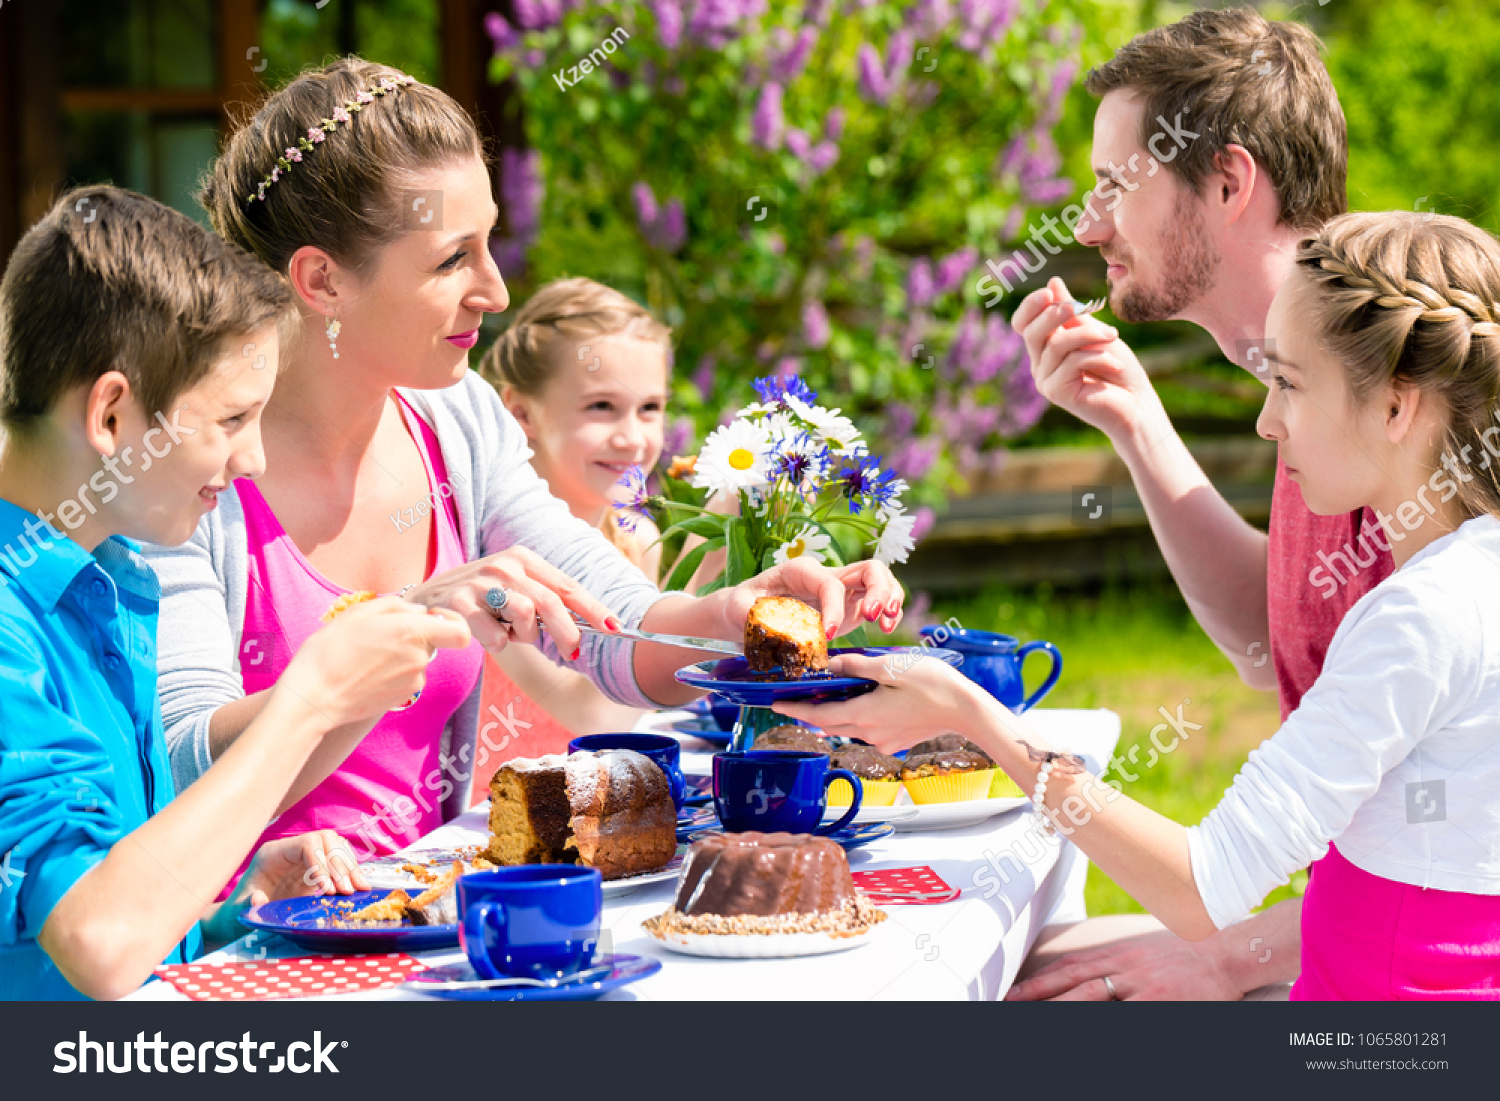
610, 810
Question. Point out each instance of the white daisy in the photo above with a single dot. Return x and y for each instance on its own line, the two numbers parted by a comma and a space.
837, 430
733, 457
755, 409
895, 541
807, 543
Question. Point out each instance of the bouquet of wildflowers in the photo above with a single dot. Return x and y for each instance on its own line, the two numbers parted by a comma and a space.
798, 469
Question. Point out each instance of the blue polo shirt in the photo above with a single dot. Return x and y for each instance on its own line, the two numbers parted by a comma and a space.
83, 760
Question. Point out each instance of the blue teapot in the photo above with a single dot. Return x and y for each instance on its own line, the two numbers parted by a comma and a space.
993, 661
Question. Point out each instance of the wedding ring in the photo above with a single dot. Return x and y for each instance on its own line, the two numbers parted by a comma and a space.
1109, 985
497, 599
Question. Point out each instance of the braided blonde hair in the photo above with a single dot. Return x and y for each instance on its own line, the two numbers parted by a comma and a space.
1415, 298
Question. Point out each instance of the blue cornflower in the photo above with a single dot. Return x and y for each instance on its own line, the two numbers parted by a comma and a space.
774, 388
633, 506
859, 481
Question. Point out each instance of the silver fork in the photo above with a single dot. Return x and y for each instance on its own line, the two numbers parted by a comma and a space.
1083, 309
597, 971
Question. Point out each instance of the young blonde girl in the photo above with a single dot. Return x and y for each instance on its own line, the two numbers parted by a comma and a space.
583, 369
1386, 381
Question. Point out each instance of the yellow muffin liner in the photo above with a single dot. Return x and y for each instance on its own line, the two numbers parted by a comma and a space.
877, 793
1004, 787
954, 787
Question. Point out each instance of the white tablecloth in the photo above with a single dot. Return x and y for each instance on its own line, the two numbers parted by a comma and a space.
970, 948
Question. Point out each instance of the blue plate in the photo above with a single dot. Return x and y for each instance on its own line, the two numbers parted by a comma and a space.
628, 969
309, 923
850, 837
733, 678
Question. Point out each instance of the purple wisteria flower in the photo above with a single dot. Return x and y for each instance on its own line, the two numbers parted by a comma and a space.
665, 227
919, 285
675, 438
798, 143
922, 521
502, 34
767, 123
716, 23
833, 123
929, 19
872, 83
823, 156
646, 210
900, 419
788, 54
703, 375
985, 23
536, 15
912, 458
669, 22
788, 367
522, 189
815, 327
817, 12
952, 268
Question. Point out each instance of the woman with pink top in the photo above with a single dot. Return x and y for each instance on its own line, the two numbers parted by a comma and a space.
392, 468
1386, 395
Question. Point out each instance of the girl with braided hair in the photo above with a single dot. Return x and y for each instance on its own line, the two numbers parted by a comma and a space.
1386, 394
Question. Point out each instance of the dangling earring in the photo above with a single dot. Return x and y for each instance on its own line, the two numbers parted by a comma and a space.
333, 334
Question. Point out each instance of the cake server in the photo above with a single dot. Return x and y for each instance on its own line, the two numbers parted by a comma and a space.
687, 642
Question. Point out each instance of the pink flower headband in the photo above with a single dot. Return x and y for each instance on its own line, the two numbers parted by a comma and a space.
316, 135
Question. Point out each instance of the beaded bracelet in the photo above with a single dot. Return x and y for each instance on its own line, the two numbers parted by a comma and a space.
1049, 759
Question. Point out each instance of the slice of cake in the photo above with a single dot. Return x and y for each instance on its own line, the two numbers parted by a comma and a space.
390, 910
438, 905
610, 810
782, 630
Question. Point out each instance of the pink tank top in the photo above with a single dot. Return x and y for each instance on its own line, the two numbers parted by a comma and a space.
385, 795
1366, 938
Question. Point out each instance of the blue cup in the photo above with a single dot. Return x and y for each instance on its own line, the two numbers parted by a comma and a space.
993, 661
665, 751
778, 791
534, 921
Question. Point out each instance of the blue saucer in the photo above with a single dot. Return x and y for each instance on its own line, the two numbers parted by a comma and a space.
628, 969
706, 730
850, 837
733, 678
309, 923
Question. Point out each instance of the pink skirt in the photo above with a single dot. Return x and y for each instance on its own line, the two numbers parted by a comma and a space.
1365, 938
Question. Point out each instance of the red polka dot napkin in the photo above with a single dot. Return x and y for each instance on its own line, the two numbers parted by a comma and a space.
918, 886
259, 980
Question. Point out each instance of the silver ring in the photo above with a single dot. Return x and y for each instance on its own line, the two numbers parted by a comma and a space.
497, 599
1109, 984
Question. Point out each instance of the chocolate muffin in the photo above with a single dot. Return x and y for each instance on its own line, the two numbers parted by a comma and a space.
943, 761
950, 740
789, 737
867, 762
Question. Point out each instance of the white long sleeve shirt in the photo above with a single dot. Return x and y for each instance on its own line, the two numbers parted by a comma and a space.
1394, 752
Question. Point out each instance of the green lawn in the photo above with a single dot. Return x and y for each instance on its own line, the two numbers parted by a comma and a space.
1134, 651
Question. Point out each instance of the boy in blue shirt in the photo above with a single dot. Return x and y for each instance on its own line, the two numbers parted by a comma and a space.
136, 353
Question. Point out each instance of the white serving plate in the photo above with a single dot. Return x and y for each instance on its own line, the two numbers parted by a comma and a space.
951, 816
731, 946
